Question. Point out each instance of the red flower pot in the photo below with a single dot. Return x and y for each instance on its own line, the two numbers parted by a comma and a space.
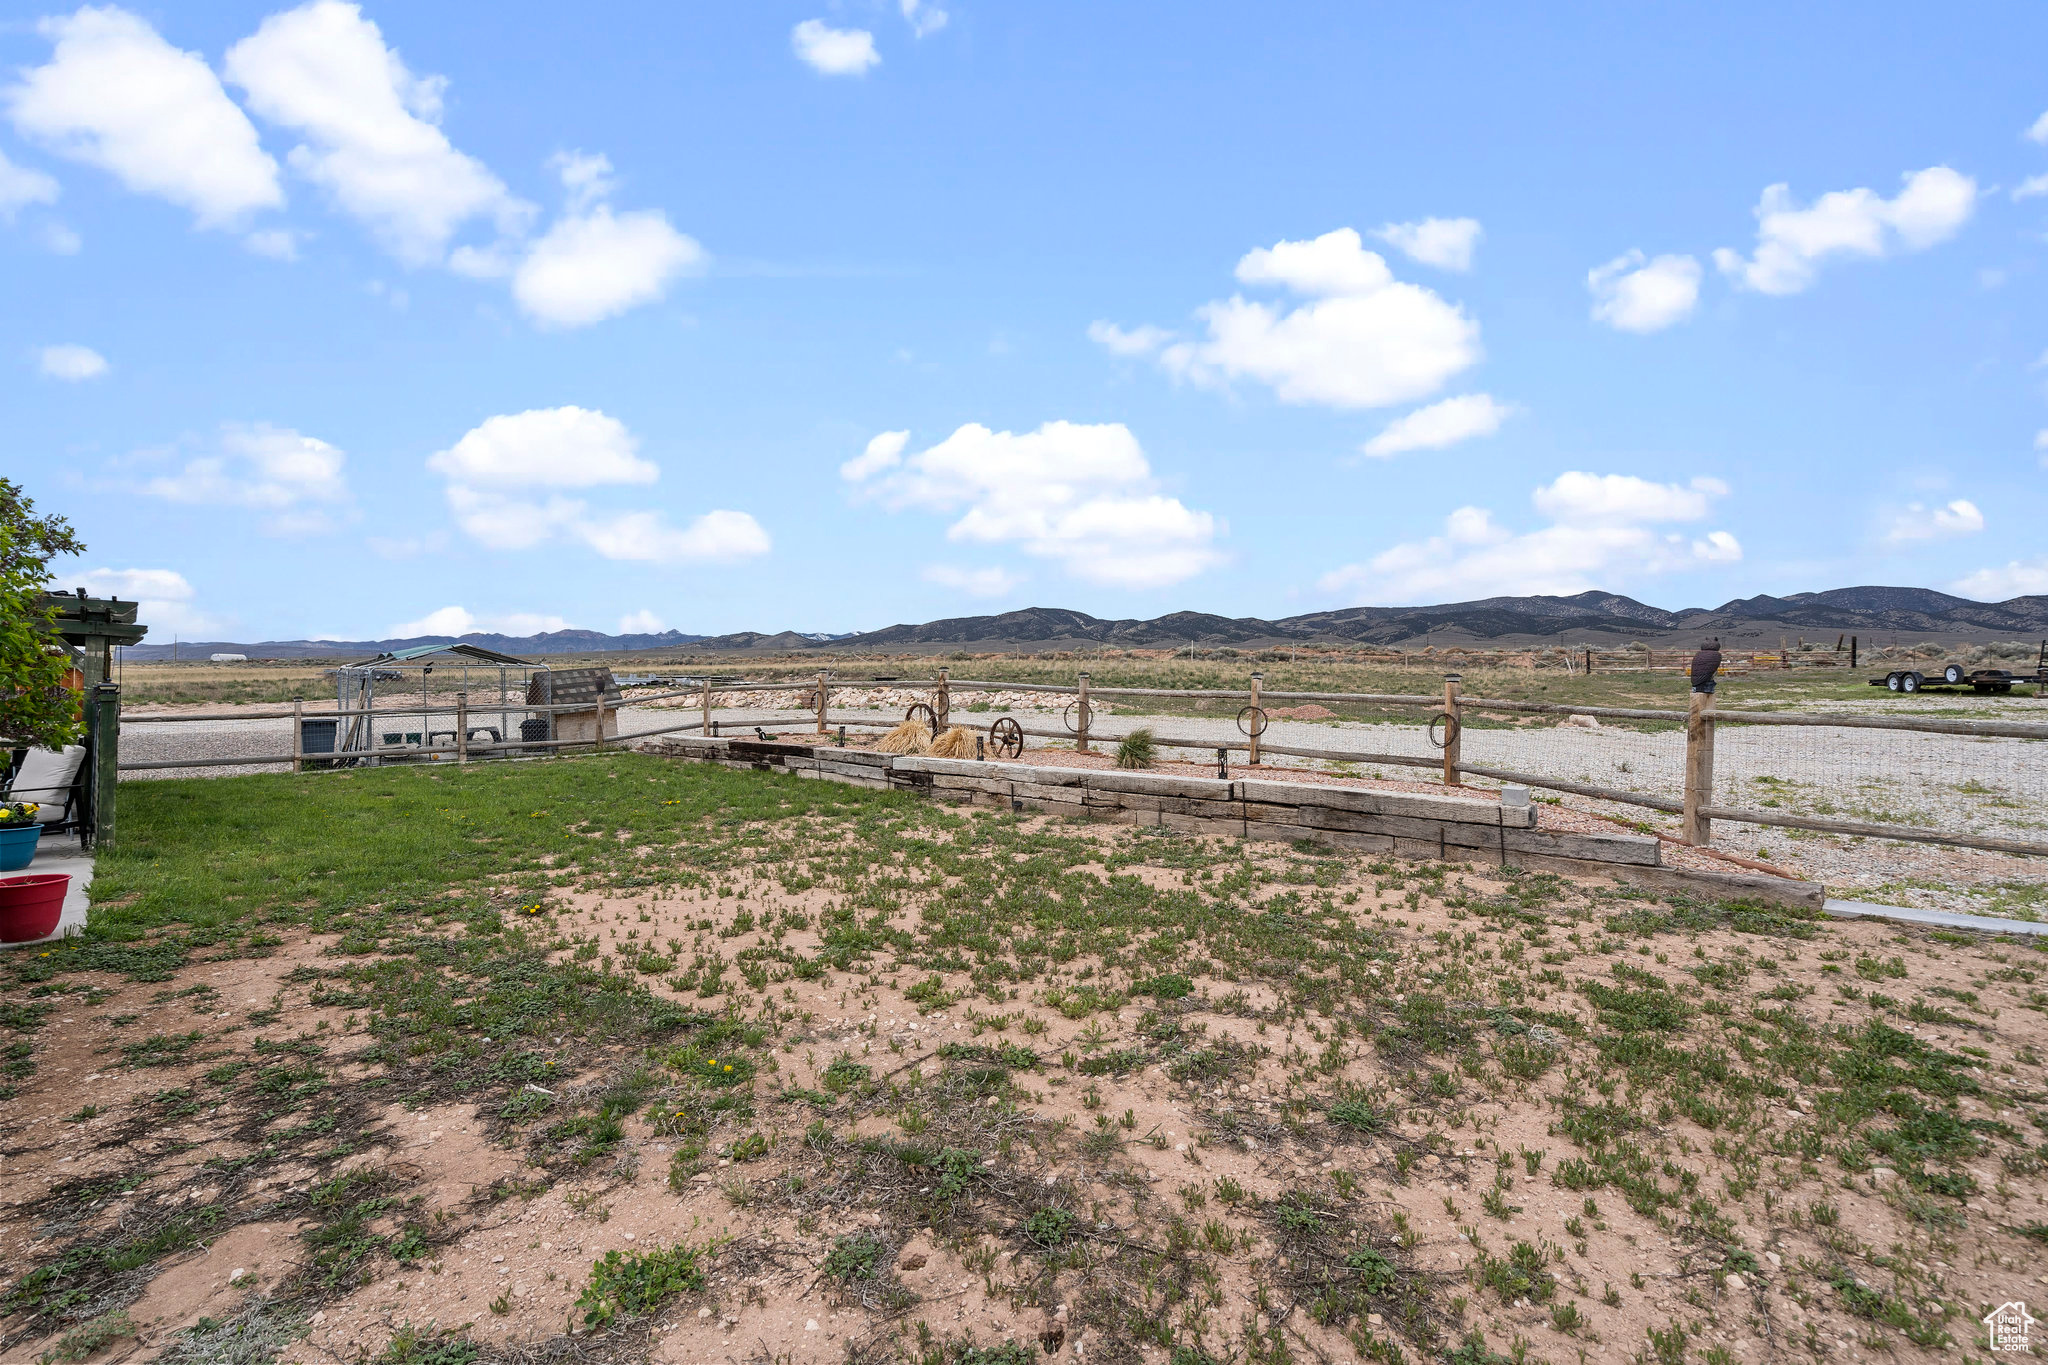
31, 906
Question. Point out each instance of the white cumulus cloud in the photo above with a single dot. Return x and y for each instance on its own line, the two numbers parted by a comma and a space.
642, 622
1441, 424
163, 598
115, 95
498, 470
988, 582
1360, 339
459, 621
1446, 243
1137, 341
373, 139
566, 447
1792, 241
1918, 522
1634, 294
1081, 495
720, 537
923, 17
884, 451
834, 51
21, 187
2016, 578
593, 263
297, 482
1603, 531
70, 362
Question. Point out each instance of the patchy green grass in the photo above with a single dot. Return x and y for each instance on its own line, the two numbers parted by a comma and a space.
1367, 1025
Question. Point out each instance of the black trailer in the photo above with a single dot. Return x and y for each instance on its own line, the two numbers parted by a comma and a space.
1954, 677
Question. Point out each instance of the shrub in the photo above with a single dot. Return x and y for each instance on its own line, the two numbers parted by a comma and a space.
1138, 749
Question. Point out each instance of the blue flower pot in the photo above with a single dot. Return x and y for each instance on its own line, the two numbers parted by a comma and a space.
18, 846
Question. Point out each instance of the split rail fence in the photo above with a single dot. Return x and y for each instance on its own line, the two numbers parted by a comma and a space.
1980, 784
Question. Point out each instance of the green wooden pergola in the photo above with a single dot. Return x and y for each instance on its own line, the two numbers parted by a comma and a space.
92, 627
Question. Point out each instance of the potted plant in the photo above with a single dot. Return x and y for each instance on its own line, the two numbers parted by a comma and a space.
32, 907
19, 833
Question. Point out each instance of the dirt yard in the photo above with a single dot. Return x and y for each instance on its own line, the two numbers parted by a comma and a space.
871, 1080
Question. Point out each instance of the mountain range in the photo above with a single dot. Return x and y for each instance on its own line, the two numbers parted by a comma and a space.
1878, 615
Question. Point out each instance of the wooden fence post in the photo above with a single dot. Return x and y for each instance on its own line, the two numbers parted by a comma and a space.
462, 726
942, 708
1081, 707
1699, 769
600, 716
298, 734
821, 700
1852, 651
103, 728
704, 705
1254, 758
1454, 738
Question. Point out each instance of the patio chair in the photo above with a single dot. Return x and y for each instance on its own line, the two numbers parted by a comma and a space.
55, 780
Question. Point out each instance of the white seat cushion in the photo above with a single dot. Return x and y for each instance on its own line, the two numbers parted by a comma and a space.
46, 776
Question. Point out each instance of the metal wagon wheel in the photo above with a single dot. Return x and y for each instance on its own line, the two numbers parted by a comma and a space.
1443, 728
1252, 721
924, 715
1069, 716
1006, 738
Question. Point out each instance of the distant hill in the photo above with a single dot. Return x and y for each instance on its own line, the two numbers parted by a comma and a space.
1876, 614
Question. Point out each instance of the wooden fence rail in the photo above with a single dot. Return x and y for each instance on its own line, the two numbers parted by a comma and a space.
1449, 713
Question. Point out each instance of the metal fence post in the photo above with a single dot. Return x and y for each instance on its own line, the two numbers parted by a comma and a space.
1699, 769
600, 717
1081, 709
299, 734
103, 727
1454, 738
462, 727
1255, 727
822, 674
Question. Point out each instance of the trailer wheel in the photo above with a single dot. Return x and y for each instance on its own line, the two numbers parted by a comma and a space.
1952, 674
2003, 687
1891, 680
1909, 682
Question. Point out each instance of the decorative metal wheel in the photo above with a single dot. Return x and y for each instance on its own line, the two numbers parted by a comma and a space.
1443, 728
1071, 716
1006, 738
1252, 721
924, 715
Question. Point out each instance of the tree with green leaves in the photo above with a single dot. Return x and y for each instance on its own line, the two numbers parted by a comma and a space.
36, 707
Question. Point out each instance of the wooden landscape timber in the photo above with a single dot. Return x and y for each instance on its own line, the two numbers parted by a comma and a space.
1401, 824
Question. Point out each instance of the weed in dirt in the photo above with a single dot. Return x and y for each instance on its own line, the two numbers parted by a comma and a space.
634, 1284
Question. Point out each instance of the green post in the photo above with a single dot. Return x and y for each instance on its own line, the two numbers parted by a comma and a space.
103, 738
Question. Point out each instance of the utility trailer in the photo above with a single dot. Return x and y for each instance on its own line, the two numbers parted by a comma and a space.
1954, 677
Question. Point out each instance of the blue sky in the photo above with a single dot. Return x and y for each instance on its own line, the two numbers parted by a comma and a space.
332, 320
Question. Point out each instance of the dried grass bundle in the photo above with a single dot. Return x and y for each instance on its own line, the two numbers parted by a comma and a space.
957, 742
909, 737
